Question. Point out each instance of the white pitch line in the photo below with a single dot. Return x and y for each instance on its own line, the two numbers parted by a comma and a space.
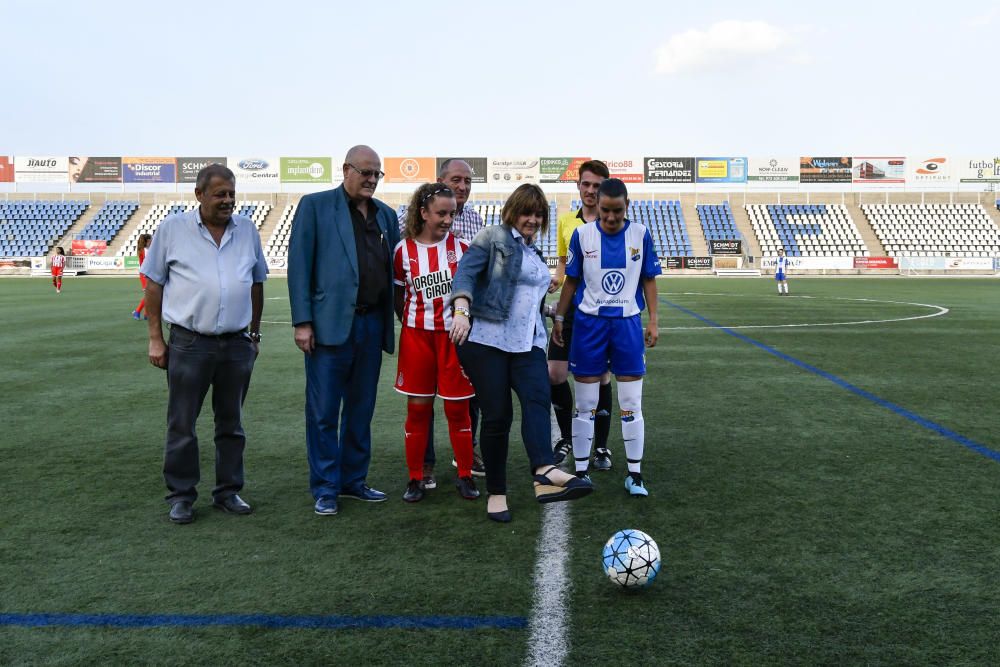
548, 641
939, 311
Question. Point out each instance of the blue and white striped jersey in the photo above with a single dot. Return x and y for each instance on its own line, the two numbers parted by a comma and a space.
611, 268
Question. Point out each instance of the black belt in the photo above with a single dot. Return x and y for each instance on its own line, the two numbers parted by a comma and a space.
230, 334
364, 309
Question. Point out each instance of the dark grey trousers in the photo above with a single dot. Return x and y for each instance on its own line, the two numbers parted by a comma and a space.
194, 364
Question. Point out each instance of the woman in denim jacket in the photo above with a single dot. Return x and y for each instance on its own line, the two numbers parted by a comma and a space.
497, 296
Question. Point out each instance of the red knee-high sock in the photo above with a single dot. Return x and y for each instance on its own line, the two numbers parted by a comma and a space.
460, 430
59, 283
418, 422
142, 304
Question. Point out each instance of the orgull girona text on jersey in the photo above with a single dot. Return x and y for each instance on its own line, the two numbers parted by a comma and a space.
433, 285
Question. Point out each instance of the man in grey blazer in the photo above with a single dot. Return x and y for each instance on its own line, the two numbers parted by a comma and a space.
340, 290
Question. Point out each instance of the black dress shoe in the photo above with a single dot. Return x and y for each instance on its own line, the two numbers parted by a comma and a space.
233, 505
365, 493
182, 512
499, 517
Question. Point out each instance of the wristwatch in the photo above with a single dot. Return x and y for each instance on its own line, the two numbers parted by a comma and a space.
254, 336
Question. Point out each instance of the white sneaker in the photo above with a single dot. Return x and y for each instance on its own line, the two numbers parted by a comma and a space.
635, 488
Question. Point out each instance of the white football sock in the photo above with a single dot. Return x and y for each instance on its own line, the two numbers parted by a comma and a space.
583, 422
633, 425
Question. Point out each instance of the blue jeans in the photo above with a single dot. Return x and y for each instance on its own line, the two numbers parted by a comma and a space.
341, 385
496, 375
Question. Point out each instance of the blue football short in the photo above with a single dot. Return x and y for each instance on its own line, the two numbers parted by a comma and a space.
779, 276
596, 340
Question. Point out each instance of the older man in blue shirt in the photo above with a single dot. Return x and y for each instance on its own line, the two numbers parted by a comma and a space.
206, 273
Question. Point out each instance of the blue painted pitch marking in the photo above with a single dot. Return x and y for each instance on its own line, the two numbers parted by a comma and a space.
977, 447
266, 621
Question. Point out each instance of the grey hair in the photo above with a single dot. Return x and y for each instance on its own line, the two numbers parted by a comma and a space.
447, 163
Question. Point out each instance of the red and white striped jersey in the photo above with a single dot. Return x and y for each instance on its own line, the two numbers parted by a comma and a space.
58, 261
425, 272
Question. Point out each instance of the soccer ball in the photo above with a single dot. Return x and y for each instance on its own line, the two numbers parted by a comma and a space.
631, 559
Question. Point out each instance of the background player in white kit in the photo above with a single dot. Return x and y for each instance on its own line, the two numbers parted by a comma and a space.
611, 277
781, 272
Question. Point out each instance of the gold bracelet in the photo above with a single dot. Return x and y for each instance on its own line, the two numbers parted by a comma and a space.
461, 310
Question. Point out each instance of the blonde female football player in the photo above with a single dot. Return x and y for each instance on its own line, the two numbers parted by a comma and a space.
423, 265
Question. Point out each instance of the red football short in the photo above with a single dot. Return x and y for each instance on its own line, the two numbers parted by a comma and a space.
428, 366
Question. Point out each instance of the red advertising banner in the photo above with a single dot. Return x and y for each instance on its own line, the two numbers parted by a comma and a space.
6, 169
89, 247
875, 263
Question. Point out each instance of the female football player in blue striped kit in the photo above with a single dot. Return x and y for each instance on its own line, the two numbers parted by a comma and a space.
781, 272
610, 276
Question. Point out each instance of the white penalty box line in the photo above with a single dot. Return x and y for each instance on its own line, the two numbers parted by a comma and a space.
938, 311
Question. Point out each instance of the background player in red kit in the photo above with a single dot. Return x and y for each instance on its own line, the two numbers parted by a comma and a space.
423, 265
58, 264
143, 243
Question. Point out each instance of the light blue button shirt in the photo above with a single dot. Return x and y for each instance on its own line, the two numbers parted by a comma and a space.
525, 327
206, 287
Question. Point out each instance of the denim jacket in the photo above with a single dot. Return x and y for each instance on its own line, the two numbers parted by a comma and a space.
488, 271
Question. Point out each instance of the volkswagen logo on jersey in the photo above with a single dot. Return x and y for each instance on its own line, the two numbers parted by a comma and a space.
613, 282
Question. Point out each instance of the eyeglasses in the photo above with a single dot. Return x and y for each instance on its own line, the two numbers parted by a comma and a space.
440, 190
368, 173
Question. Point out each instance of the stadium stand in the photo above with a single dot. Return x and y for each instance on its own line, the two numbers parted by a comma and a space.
255, 210
717, 221
665, 221
806, 230
109, 220
277, 245
29, 228
926, 230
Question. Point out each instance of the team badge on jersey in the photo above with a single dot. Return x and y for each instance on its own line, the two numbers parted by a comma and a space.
634, 254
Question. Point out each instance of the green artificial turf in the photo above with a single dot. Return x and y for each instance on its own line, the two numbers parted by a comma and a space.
800, 523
